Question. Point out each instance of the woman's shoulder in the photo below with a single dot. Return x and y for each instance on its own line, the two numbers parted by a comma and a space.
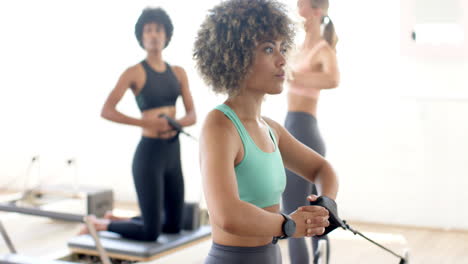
218, 129
272, 123
178, 71
275, 126
134, 69
216, 120
132, 73
326, 49
176, 68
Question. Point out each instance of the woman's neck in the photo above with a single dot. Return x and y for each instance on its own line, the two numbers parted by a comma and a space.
313, 34
155, 58
246, 106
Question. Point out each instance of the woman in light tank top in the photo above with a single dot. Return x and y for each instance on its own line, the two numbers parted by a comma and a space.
312, 69
240, 52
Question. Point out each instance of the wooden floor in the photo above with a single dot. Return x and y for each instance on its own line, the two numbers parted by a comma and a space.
37, 236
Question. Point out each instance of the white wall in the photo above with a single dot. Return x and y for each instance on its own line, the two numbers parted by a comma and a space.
59, 62
395, 128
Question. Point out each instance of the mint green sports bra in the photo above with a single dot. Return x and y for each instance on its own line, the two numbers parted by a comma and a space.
261, 178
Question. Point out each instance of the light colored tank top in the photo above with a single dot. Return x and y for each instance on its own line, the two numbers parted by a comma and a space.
308, 91
261, 178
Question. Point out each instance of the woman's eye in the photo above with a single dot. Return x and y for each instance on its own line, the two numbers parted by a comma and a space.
269, 50
284, 51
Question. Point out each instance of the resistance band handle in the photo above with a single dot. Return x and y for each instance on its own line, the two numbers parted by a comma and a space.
172, 122
176, 125
333, 218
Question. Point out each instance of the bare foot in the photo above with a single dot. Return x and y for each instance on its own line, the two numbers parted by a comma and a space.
99, 225
109, 215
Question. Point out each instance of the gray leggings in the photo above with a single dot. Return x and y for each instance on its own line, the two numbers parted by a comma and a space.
303, 126
220, 254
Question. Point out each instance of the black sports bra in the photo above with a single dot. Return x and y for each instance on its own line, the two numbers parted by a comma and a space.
160, 89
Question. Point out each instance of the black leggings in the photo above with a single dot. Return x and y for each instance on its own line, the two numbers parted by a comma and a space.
303, 127
159, 184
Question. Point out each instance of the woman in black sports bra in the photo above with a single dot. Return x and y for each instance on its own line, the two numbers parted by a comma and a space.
156, 165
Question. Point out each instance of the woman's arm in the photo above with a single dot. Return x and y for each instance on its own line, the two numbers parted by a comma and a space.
305, 162
219, 146
109, 110
190, 116
328, 78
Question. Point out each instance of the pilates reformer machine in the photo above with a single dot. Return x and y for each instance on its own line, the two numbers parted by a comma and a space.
39, 199
110, 248
103, 247
195, 230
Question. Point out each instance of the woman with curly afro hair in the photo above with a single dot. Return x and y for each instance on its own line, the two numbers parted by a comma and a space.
156, 167
241, 51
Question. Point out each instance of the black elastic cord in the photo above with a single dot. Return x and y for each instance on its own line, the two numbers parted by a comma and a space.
336, 221
373, 242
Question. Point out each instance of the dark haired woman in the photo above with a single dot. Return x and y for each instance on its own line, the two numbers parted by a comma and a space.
156, 168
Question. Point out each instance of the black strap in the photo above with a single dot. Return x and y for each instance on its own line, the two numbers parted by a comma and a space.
332, 208
276, 238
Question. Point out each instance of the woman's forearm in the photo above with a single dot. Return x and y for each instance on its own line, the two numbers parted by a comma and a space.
116, 116
189, 119
319, 80
248, 220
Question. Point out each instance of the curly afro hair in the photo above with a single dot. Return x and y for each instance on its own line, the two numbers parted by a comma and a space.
225, 44
154, 15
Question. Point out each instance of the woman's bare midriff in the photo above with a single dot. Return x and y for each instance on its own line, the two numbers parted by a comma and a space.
155, 113
300, 103
223, 238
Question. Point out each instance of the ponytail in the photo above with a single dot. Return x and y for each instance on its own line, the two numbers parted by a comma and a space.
329, 33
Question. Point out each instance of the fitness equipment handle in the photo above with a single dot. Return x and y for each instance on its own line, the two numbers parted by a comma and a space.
176, 125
